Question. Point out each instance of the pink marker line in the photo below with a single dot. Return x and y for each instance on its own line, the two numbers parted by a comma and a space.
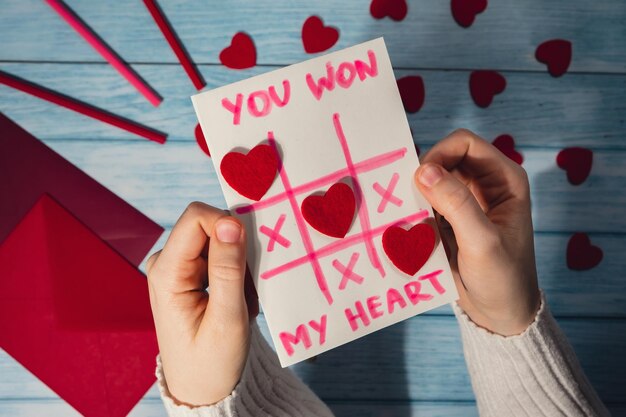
175, 43
342, 244
304, 232
386, 194
78, 106
347, 272
106, 51
274, 234
363, 213
363, 166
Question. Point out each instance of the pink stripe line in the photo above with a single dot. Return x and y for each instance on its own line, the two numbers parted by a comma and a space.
105, 50
363, 213
363, 166
304, 232
175, 43
342, 244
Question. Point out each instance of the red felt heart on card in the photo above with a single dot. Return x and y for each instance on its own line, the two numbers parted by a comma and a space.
581, 254
484, 85
332, 212
411, 92
556, 54
576, 162
506, 145
465, 11
316, 37
251, 174
241, 52
395, 9
200, 140
409, 249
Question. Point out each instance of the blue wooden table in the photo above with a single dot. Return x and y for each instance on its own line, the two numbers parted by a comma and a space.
414, 368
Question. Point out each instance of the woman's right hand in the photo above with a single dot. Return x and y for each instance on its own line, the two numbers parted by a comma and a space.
485, 198
203, 339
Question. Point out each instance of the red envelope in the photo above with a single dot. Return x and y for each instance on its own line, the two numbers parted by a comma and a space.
29, 168
75, 313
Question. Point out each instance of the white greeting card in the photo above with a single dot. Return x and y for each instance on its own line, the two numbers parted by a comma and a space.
317, 160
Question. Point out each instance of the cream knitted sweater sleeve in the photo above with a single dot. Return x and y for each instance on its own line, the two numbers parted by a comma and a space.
265, 390
534, 374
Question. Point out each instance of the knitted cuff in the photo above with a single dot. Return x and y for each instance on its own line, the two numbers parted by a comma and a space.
534, 373
265, 389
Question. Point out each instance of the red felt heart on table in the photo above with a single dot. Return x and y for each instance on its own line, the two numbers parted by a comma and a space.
581, 254
332, 212
465, 11
395, 9
316, 37
409, 249
412, 92
576, 162
200, 140
556, 54
241, 52
251, 174
484, 85
506, 145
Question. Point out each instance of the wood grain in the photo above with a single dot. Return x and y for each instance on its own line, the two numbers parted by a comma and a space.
161, 180
415, 368
570, 293
418, 360
153, 408
538, 110
504, 36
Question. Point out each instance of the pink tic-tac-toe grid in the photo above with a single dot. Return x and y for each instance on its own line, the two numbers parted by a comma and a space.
365, 236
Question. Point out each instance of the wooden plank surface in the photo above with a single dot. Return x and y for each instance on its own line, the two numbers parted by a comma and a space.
418, 360
504, 36
160, 180
415, 368
538, 110
570, 293
154, 408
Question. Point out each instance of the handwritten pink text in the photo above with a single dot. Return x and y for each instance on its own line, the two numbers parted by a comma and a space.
374, 307
258, 103
343, 76
302, 335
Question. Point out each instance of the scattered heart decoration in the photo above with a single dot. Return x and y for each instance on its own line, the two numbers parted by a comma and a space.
240, 54
484, 85
412, 92
409, 249
331, 213
316, 37
464, 11
556, 54
200, 140
506, 145
576, 162
395, 9
251, 174
581, 254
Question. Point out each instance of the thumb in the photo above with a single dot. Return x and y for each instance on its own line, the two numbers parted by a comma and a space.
227, 267
453, 200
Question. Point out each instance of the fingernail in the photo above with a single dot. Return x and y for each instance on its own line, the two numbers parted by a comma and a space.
228, 231
430, 175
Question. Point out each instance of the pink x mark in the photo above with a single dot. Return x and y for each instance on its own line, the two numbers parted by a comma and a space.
274, 234
387, 193
347, 271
